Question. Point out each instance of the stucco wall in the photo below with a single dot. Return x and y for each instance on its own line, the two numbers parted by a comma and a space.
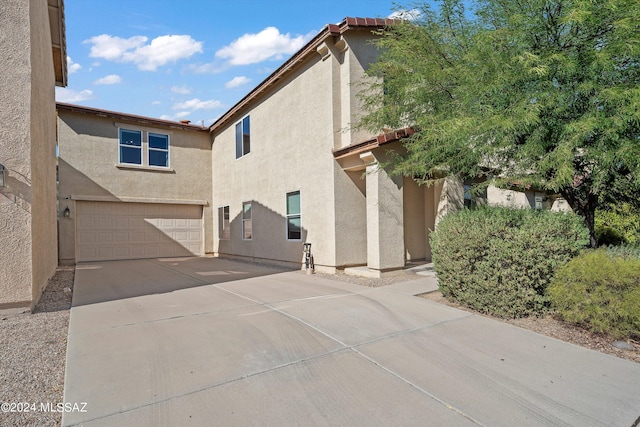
27, 142
291, 141
356, 59
294, 127
88, 155
43, 151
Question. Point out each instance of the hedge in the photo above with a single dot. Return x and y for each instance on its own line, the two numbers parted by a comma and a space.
600, 289
500, 260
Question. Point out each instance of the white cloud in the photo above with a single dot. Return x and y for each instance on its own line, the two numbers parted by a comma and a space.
182, 114
72, 67
147, 56
182, 90
209, 68
156, 103
166, 117
111, 79
196, 104
409, 15
267, 44
237, 81
69, 95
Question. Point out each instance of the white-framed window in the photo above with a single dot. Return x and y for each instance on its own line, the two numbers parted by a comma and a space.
247, 225
134, 149
130, 144
224, 230
243, 137
294, 218
158, 150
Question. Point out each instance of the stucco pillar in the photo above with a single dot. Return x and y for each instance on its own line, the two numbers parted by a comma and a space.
385, 229
450, 195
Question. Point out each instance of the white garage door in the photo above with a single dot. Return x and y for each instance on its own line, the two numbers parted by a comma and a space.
115, 230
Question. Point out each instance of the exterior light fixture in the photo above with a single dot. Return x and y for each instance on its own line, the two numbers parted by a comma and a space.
2, 175
66, 213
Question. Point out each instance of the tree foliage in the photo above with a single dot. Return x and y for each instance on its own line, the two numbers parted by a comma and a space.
543, 94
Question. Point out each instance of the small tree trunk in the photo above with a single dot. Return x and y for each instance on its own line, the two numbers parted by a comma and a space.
586, 208
589, 220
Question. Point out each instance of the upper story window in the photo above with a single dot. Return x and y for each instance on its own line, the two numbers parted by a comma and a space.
158, 150
131, 146
294, 220
243, 137
134, 150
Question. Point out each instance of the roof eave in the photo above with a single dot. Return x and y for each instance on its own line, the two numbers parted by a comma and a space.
58, 41
127, 117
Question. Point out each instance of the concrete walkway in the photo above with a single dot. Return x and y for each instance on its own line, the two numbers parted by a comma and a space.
205, 342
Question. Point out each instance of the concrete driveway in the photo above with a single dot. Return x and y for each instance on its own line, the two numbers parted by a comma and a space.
200, 341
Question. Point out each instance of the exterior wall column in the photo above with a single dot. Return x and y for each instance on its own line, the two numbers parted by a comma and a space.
385, 224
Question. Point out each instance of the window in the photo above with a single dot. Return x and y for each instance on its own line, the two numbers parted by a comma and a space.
294, 221
158, 150
243, 138
134, 150
130, 146
224, 231
246, 221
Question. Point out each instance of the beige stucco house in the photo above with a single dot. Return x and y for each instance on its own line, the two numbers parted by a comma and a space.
132, 187
282, 167
32, 40
305, 174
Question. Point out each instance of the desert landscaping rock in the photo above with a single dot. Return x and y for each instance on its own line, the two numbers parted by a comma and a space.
33, 353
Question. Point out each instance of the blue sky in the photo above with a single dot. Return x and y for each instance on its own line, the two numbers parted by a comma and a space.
188, 59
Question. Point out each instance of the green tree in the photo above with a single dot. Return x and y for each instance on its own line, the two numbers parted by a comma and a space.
535, 93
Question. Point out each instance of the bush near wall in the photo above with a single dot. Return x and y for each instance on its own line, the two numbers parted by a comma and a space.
500, 260
600, 289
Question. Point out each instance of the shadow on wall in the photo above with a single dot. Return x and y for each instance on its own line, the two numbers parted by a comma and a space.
17, 190
118, 280
262, 235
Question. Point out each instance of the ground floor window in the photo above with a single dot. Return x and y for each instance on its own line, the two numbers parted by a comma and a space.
246, 221
224, 231
294, 220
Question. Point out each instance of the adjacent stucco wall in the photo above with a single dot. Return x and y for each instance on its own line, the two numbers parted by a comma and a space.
88, 155
43, 151
415, 227
291, 141
360, 53
524, 199
27, 150
294, 127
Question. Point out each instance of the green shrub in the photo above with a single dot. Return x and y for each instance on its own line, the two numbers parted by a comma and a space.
617, 224
599, 290
500, 260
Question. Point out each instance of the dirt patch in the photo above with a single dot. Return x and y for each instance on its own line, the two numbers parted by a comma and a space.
555, 328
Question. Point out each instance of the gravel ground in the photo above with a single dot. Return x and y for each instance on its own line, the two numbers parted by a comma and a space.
34, 346
33, 354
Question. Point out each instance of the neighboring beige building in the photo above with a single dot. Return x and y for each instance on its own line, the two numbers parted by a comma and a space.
131, 187
32, 40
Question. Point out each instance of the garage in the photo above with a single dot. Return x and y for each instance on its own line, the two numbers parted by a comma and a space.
120, 230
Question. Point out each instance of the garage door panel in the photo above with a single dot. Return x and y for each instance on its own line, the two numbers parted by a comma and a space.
113, 230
